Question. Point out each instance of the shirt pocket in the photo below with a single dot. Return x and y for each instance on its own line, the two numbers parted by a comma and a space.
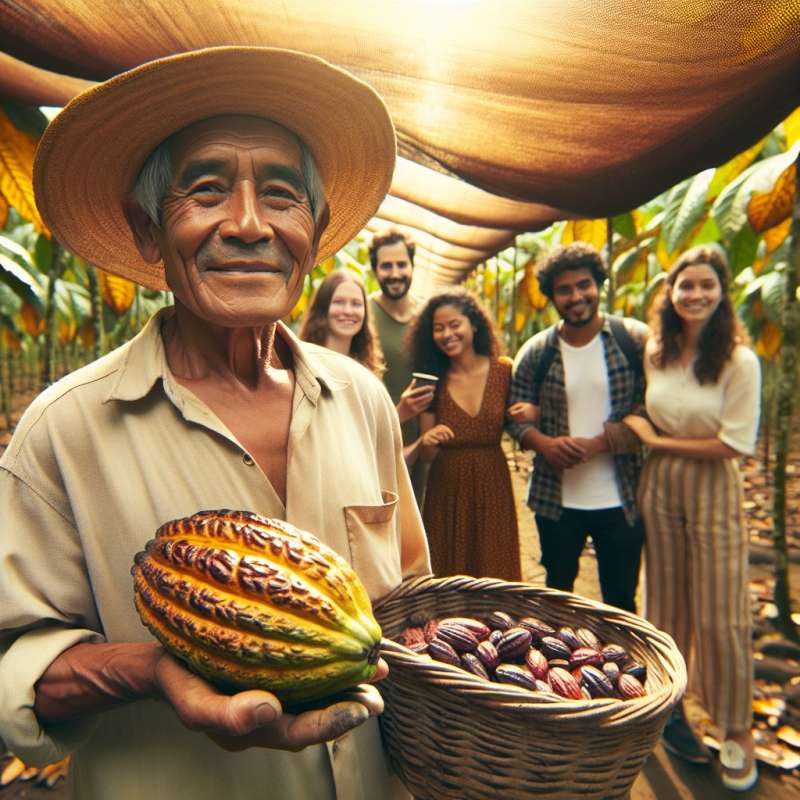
374, 545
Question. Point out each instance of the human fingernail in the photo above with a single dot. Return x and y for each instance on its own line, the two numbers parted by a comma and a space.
265, 713
351, 718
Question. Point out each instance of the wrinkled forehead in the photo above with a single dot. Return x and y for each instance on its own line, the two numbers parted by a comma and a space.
235, 130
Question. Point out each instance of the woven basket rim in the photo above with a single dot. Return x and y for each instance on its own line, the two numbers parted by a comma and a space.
611, 712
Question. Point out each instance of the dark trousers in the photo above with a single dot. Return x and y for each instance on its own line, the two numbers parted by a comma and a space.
617, 544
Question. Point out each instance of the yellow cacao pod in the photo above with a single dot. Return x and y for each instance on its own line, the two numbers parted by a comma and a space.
255, 603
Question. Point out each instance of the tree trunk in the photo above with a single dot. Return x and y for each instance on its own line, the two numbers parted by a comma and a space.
609, 260
97, 311
6, 383
50, 333
787, 381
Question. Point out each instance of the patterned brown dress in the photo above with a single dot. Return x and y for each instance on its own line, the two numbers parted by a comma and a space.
469, 512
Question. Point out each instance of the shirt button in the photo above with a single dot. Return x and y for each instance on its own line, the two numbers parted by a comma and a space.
248, 459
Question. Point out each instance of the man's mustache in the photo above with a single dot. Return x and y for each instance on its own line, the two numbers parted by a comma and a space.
216, 255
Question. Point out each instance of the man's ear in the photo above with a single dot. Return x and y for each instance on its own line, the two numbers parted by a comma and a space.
143, 230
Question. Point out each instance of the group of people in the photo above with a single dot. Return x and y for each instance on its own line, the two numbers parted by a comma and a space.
228, 191
587, 395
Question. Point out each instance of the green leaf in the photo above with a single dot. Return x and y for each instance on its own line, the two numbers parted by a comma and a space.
773, 292
43, 254
623, 265
686, 208
17, 250
624, 225
742, 249
10, 301
708, 233
730, 208
19, 280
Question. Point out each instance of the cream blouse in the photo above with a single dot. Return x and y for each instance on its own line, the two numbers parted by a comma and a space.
728, 409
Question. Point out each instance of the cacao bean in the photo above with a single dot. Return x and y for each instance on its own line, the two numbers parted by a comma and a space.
558, 662
444, 652
537, 627
629, 687
536, 663
429, 631
515, 643
585, 655
554, 648
459, 637
478, 629
515, 674
500, 621
567, 635
615, 653
611, 671
495, 636
562, 683
473, 664
639, 671
596, 681
544, 686
588, 639
411, 635
488, 655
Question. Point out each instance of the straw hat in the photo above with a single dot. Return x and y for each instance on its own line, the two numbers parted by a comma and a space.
91, 153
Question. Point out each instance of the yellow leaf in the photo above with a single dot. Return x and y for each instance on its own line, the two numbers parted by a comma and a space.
791, 128
768, 209
728, 171
769, 342
759, 264
10, 339
775, 236
3, 211
31, 321
66, 330
757, 308
328, 265
520, 320
592, 231
662, 255
117, 293
536, 298
299, 308
16, 171
87, 335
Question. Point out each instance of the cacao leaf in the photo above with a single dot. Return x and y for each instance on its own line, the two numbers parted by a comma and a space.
19, 280
117, 293
16, 171
730, 208
768, 345
10, 339
773, 290
733, 168
685, 205
742, 249
67, 329
625, 225
768, 209
776, 236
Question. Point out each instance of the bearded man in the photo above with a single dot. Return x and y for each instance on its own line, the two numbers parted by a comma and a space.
225, 175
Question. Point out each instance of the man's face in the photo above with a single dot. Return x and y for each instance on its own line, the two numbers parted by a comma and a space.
237, 234
393, 270
576, 297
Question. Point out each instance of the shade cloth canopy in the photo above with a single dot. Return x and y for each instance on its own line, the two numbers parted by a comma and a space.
510, 113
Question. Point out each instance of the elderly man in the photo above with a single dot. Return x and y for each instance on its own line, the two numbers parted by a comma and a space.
224, 174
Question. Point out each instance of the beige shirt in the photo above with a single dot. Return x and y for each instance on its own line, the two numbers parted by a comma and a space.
727, 409
104, 457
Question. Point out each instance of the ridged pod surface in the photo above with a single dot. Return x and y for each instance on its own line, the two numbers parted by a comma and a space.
250, 602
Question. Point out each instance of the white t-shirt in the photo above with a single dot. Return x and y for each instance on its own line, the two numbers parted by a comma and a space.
592, 485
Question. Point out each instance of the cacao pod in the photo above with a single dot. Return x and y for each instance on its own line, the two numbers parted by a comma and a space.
536, 627
639, 671
488, 655
567, 635
495, 636
611, 671
596, 681
473, 664
250, 602
585, 655
587, 638
499, 620
615, 653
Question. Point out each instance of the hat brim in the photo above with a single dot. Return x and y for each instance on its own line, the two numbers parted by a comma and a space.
90, 154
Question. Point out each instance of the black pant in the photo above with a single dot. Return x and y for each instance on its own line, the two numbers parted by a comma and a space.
617, 544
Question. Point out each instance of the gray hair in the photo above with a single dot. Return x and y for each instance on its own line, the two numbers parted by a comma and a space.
155, 178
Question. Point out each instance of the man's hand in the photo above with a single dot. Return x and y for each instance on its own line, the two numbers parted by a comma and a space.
642, 427
436, 435
255, 718
562, 452
414, 400
523, 412
592, 445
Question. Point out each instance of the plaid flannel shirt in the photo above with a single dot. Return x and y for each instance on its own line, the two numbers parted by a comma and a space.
626, 389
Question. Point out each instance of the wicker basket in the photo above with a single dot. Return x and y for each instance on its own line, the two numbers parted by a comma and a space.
452, 735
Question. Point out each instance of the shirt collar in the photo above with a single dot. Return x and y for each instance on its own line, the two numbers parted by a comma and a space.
145, 362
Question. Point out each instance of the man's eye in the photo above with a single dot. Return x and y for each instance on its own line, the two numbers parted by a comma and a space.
208, 187
281, 192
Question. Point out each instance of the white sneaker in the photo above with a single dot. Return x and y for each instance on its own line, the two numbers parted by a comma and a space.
739, 770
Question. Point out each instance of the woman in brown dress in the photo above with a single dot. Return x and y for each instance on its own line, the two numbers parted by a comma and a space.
469, 509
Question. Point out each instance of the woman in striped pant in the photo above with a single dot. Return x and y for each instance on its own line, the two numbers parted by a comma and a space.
703, 395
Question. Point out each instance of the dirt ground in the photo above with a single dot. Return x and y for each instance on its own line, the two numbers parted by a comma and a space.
663, 777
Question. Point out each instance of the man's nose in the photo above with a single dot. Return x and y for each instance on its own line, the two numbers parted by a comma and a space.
245, 219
